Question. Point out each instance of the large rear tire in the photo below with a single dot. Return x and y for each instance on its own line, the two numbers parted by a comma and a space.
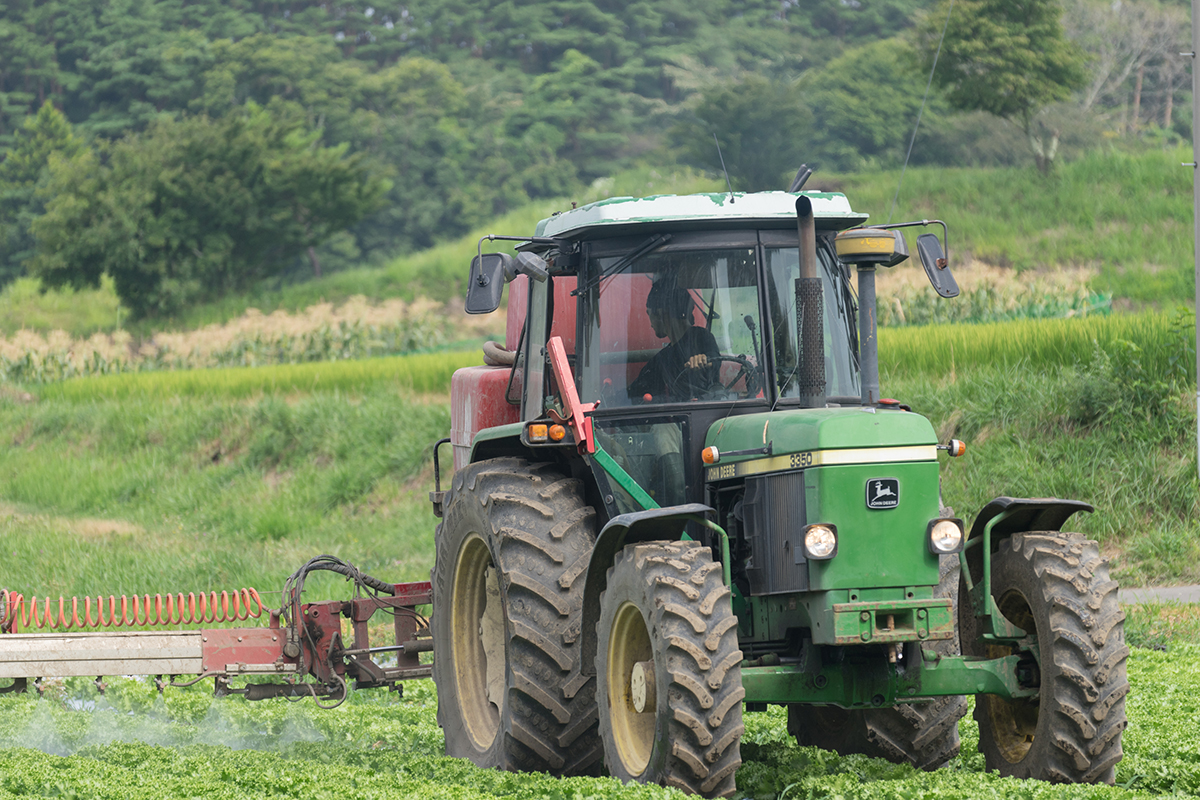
924, 735
669, 670
1056, 586
512, 554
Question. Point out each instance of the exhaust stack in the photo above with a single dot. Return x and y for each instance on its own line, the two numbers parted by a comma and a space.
810, 311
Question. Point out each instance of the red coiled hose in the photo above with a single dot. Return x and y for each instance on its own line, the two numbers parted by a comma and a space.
174, 609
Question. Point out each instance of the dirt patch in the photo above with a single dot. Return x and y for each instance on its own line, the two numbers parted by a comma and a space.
85, 527
103, 527
16, 395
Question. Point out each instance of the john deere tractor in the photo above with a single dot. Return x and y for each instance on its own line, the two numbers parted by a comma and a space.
678, 497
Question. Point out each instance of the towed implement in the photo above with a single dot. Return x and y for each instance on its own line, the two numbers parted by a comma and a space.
300, 653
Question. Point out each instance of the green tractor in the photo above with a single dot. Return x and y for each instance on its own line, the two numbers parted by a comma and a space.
678, 497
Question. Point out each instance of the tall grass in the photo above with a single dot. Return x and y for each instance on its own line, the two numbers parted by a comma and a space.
987, 294
1165, 341
25, 306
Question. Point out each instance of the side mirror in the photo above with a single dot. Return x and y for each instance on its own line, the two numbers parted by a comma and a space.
489, 273
936, 267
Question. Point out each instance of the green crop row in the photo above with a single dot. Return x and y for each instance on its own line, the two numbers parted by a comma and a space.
988, 294
357, 330
422, 372
132, 744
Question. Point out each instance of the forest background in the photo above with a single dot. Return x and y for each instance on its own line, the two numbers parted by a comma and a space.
190, 150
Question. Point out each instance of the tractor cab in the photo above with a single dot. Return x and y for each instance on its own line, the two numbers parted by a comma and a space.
673, 313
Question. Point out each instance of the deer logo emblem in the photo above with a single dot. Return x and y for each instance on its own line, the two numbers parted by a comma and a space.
883, 493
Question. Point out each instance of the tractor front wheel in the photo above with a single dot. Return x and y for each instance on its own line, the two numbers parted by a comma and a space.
507, 610
669, 670
1055, 586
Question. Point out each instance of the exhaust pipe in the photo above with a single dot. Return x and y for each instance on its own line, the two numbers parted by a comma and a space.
810, 311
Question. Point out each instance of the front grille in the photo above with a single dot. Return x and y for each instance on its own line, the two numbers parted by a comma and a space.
773, 510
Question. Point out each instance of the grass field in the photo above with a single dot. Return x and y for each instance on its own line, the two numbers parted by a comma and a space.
1129, 216
262, 463
219, 479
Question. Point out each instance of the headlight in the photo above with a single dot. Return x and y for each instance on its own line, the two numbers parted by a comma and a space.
945, 536
820, 542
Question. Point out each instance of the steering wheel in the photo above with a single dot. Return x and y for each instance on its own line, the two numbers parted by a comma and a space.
747, 370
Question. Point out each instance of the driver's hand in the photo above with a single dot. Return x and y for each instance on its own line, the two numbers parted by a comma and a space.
698, 361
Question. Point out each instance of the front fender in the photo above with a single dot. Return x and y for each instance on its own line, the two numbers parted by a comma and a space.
1026, 514
1015, 515
652, 525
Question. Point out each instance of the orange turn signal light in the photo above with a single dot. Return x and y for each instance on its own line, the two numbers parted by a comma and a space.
539, 432
710, 455
956, 448
557, 433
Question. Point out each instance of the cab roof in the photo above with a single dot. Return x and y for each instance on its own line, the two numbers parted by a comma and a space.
615, 215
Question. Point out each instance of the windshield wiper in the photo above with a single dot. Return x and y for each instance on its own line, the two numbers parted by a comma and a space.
628, 260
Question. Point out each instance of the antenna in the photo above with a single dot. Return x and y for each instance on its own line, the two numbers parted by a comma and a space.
727, 183
802, 176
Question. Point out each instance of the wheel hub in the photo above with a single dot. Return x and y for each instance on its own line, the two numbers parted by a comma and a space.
641, 686
477, 641
631, 688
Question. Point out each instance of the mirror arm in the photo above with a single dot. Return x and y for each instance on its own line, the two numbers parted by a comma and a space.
491, 237
945, 235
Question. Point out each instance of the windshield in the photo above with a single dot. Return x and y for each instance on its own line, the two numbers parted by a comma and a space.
841, 332
683, 322
674, 327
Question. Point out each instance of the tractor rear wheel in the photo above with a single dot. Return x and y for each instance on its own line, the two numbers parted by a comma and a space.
924, 735
512, 552
669, 670
1055, 586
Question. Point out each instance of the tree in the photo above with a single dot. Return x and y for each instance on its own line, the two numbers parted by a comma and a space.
864, 104
194, 209
761, 125
24, 167
1124, 41
1006, 57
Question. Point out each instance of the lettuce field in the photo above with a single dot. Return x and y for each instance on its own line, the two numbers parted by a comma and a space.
133, 743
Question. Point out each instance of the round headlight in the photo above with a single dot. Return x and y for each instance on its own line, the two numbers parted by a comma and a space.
945, 536
820, 541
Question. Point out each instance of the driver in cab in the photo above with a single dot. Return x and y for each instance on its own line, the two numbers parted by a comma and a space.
687, 367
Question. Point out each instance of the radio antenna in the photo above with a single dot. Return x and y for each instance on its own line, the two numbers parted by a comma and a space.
727, 183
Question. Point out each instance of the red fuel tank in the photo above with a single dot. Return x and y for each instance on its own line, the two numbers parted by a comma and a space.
477, 402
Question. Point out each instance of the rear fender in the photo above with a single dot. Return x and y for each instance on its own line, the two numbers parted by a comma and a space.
652, 525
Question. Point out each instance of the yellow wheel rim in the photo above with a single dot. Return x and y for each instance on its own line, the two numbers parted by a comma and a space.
475, 640
632, 731
1014, 722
